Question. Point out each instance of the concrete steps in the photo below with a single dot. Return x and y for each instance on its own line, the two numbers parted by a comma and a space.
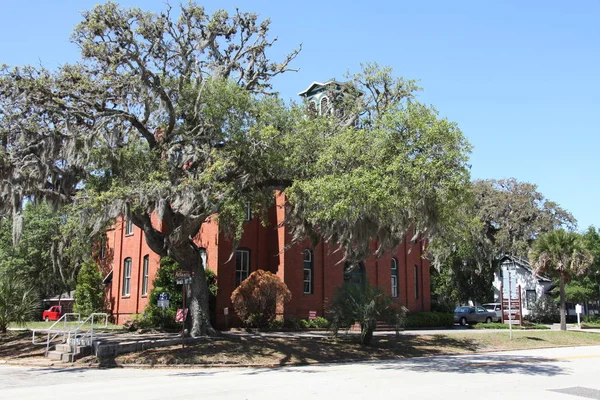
69, 352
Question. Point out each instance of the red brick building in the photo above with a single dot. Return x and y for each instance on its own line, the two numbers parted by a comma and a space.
311, 273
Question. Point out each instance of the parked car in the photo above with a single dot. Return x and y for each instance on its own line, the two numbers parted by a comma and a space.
495, 307
464, 315
52, 314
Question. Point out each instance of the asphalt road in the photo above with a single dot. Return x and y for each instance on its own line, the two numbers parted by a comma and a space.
563, 373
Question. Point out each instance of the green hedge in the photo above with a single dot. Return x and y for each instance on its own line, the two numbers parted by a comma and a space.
429, 320
500, 325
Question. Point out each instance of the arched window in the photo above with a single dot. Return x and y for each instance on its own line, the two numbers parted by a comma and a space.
308, 271
325, 105
242, 265
354, 273
312, 109
128, 227
394, 280
126, 290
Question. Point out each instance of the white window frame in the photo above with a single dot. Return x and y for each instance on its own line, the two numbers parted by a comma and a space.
248, 216
145, 268
416, 281
394, 278
327, 103
307, 258
128, 227
242, 268
126, 289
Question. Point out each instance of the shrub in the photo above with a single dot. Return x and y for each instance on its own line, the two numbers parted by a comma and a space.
156, 317
500, 325
429, 320
365, 305
319, 323
89, 295
545, 310
255, 300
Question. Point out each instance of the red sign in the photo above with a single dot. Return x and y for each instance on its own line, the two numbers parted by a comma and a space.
181, 315
312, 315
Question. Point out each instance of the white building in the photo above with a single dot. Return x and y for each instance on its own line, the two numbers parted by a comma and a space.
532, 286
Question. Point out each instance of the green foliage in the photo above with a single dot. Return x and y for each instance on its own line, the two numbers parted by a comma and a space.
429, 320
255, 300
501, 217
159, 123
18, 302
89, 293
319, 323
562, 255
544, 310
164, 282
365, 305
500, 325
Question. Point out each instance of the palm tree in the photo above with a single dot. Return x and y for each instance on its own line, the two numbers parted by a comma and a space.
563, 254
18, 304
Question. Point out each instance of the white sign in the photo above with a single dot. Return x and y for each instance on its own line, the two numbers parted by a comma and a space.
578, 309
509, 280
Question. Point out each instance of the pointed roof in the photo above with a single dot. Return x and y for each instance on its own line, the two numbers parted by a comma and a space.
524, 263
316, 84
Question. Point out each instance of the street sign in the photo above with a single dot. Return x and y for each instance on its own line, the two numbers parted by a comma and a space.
163, 296
181, 315
183, 277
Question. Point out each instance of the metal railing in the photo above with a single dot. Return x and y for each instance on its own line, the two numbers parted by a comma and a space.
78, 336
55, 331
72, 335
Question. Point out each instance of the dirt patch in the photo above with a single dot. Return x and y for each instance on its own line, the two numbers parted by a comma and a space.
15, 345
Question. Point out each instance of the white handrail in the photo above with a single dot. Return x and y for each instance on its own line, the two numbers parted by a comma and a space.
49, 330
68, 333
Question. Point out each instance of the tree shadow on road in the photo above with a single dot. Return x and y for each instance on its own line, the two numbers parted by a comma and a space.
481, 363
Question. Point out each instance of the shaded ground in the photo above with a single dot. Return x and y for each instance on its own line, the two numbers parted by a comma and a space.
261, 350
270, 351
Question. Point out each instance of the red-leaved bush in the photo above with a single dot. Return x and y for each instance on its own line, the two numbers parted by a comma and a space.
255, 300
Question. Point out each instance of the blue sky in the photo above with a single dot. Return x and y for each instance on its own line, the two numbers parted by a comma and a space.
522, 79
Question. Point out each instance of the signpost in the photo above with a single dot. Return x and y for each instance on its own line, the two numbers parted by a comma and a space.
511, 296
578, 312
184, 278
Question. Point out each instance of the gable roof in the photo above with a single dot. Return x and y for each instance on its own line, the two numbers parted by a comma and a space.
319, 84
524, 263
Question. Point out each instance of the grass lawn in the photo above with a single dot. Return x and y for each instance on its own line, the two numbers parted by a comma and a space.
274, 351
71, 325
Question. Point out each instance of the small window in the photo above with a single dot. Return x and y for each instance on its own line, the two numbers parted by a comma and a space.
145, 275
312, 109
531, 298
128, 227
126, 277
103, 247
308, 271
242, 266
416, 281
248, 216
394, 279
325, 106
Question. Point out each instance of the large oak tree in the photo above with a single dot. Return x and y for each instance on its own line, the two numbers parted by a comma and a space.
176, 117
